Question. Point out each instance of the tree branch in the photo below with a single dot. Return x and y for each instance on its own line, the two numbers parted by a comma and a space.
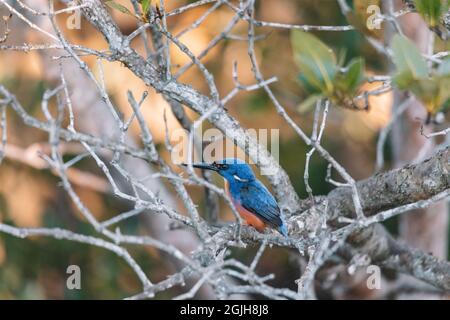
98, 16
394, 188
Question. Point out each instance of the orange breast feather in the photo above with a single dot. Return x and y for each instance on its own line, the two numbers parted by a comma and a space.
250, 218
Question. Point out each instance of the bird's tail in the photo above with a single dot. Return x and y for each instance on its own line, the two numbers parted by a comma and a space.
283, 229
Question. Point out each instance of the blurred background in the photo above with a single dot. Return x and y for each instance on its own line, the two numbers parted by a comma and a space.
30, 195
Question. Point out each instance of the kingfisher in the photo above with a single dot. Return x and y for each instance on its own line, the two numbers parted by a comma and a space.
255, 204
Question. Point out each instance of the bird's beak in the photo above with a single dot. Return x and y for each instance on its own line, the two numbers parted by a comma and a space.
203, 166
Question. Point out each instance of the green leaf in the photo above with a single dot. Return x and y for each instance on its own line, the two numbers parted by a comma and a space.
444, 94
427, 91
311, 88
342, 54
118, 6
403, 79
430, 10
408, 60
316, 61
308, 104
352, 78
146, 6
432, 92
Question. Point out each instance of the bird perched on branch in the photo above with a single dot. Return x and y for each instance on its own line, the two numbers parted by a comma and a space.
252, 200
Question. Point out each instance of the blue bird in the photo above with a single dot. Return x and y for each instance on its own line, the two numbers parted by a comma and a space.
252, 200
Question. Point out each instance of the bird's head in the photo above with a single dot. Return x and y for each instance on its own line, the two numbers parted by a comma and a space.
232, 169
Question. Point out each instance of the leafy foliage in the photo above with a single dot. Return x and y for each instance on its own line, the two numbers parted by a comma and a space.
117, 6
321, 75
431, 10
146, 6
317, 61
431, 88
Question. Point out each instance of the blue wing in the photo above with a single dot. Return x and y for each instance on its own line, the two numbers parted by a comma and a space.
258, 200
